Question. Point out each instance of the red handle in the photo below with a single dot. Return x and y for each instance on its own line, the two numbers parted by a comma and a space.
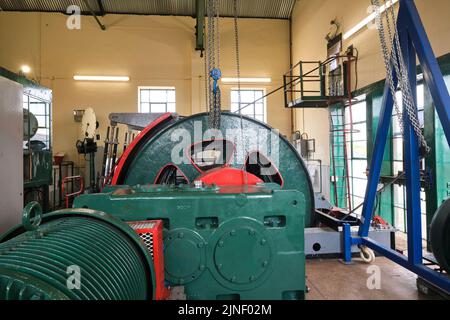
74, 194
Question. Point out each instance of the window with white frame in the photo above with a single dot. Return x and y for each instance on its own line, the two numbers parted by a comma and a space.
246, 105
156, 99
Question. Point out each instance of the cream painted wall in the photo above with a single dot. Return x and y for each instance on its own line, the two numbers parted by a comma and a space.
311, 22
152, 50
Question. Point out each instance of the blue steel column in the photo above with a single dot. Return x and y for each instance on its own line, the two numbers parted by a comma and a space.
411, 160
431, 72
347, 243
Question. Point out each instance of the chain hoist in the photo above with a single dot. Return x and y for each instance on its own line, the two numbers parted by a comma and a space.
395, 60
212, 68
238, 72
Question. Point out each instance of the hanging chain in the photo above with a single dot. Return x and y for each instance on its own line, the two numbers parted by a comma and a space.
238, 71
207, 83
410, 104
395, 59
210, 52
388, 64
236, 43
217, 28
213, 70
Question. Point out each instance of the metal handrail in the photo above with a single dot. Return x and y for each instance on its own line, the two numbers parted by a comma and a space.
73, 194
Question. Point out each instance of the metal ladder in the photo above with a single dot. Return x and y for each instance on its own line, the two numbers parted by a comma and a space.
339, 132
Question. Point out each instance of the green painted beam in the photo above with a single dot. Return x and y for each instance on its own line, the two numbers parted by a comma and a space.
200, 9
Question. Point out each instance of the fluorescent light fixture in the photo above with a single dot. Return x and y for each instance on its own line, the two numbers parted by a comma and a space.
101, 78
25, 69
368, 20
246, 80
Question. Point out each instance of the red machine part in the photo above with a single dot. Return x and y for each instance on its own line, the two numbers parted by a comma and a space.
151, 233
73, 194
379, 220
227, 176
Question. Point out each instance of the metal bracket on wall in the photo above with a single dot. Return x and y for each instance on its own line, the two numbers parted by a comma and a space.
86, 2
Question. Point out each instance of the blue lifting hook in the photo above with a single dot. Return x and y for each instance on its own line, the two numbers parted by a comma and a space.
216, 74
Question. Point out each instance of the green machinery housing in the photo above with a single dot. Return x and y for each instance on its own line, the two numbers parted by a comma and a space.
235, 241
221, 243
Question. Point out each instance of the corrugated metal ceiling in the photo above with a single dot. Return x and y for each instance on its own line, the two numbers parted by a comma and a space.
272, 9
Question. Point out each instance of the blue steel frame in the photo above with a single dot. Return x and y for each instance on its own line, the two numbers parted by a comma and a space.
414, 40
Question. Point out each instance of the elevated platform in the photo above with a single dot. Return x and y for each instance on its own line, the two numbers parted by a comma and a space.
318, 84
314, 102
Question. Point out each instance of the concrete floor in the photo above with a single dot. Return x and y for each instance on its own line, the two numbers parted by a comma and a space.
330, 279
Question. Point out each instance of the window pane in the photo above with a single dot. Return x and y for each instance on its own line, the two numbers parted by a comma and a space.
356, 202
41, 121
359, 112
158, 107
395, 126
145, 107
255, 111
158, 96
399, 200
359, 186
396, 167
259, 109
360, 149
348, 145
145, 95
359, 168
249, 110
424, 226
38, 109
234, 96
157, 100
171, 96
420, 97
258, 94
347, 115
399, 222
397, 149
359, 132
247, 96
423, 203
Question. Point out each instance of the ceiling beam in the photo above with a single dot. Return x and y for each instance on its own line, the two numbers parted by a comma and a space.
101, 8
102, 26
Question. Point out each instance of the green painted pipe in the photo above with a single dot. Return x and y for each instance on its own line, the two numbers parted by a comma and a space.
74, 254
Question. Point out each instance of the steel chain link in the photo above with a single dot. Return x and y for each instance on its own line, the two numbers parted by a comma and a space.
395, 59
